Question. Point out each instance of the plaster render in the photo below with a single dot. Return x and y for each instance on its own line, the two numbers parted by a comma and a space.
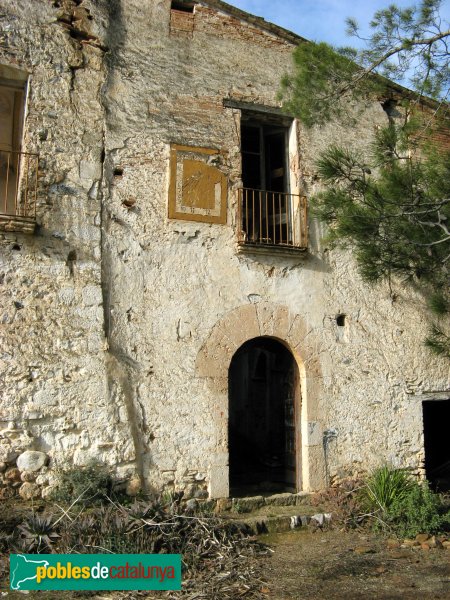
128, 320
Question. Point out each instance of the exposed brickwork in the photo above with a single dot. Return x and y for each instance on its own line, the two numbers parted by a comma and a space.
222, 25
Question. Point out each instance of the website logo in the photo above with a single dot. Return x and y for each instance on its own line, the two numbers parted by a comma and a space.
95, 571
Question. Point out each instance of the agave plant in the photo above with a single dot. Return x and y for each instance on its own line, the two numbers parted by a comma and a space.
37, 534
385, 487
6, 539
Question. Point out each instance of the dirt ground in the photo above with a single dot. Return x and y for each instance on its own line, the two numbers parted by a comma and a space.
329, 565
333, 565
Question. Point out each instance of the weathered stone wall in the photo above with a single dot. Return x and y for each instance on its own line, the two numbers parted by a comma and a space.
54, 394
172, 281
379, 371
130, 319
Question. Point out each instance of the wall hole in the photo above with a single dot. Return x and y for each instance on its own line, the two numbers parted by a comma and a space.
390, 108
340, 320
71, 258
183, 6
118, 171
17, 247
129, 202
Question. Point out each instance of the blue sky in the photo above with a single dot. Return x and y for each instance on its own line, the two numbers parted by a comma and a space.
321, 20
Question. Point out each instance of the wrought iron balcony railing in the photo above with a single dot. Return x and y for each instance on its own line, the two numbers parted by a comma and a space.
272, 219
19, 173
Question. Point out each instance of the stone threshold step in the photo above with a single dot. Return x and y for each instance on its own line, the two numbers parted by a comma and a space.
250, 503
282, 523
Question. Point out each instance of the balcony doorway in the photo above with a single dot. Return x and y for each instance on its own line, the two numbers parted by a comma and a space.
264, 172
269, 215
264, 156
11, 114
264, 401
18, 169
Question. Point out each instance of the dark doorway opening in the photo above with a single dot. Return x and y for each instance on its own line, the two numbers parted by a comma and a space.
264, 156
263, 384
267, 205
436, 419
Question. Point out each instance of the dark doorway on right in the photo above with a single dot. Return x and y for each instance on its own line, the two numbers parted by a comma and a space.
436, 422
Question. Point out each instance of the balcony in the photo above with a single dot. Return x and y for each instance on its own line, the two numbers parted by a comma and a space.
272, 221
18, 190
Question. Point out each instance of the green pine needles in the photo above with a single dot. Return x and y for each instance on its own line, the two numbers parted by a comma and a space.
388, 202
408, 46
310, 93
393, 210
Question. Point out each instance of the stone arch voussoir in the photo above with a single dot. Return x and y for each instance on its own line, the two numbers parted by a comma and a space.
250, 321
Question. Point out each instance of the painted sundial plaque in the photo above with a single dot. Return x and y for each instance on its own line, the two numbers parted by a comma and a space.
198, 189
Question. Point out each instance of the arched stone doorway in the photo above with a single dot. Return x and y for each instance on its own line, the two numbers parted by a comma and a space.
263, 423
232, 331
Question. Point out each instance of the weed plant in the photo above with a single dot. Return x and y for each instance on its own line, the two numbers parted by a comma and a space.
401, 504
91, 485
419, 511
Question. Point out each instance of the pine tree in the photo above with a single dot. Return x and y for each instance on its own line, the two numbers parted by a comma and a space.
409, 46
393, 208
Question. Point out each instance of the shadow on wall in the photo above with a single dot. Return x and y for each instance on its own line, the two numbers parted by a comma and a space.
122, 375
115, 33
314, 259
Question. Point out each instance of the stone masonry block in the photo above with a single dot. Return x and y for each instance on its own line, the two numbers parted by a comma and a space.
312, 389
312, 433
215, 356
233, 324
219, 385
90, 170
314, 477
296, 335
218, 481
31, 460
92, 295
273, 320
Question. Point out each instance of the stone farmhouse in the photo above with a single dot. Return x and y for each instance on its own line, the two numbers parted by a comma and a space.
168, 309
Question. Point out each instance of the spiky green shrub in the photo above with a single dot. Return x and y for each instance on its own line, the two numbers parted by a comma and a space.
36, 534
384, 487
88, 485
